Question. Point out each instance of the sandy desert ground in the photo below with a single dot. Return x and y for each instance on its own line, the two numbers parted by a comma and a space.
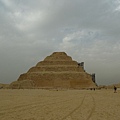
37, 104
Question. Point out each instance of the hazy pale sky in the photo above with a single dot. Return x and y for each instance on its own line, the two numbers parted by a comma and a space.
87, 30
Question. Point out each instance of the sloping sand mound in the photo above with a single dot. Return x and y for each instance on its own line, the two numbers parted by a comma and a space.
4, 86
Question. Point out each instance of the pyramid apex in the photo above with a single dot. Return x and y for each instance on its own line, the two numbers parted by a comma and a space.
58, 56
59, 53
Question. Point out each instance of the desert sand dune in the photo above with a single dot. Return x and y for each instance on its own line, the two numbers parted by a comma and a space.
37, 104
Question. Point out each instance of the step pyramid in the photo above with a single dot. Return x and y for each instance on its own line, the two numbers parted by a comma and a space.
58, 71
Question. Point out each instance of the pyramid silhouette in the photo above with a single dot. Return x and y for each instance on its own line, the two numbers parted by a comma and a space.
56, 71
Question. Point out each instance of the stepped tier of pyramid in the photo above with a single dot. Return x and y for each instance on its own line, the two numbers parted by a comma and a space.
56, 71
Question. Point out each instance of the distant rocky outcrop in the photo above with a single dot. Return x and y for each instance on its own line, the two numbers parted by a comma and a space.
56, 71
4, 86
112, 86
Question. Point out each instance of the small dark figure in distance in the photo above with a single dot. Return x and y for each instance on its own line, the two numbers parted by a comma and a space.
115, 88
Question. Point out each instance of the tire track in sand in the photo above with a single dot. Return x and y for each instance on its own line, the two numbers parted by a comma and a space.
68, 116
93, 109
27, 107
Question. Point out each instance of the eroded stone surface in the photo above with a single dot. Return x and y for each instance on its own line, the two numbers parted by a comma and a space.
57, 71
